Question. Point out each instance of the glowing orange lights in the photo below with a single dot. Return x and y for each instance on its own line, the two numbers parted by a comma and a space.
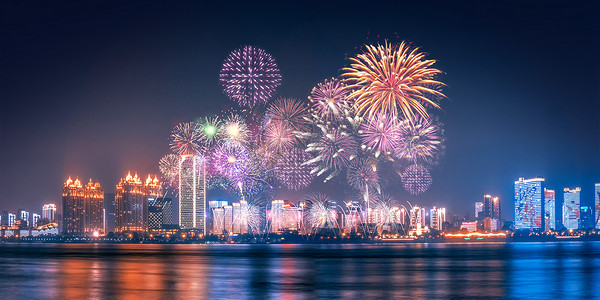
476, 234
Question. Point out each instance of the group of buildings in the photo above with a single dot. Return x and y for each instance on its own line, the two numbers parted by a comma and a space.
537, 208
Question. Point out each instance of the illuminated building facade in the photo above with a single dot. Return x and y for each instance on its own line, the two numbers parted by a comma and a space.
597, 204
192, 193
49, 212
437, 217
416, 220
160, 212
571, 208
218, 220
35, 220
73, 208
478, 210
491, 207
8, 219
550, 209
276, 215
94, 208
131, 202
23, 216
469, 226
529, 204
228, 218
292, 217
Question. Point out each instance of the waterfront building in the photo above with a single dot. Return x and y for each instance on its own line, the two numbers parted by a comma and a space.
469, 226
491, 207
35, 220
416, 220
529, 203
228, 218
192, 192
597, 204
73, 208
160, 212
571, 208
49, 212
8, 219
437, 217
478, 210
218, 220
292, 217
550, 209
276, 215
23, 216
131, 202
94, 208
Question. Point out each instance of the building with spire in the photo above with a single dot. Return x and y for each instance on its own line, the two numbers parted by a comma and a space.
94, 208
73, 208
82, 208
131, 202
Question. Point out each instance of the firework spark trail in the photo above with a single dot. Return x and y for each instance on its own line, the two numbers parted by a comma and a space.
332, 152
169, 168
249, 76
381, 134
320, 213
393, 79
211, 129
187, 138
420, 140
282, 118
329, 100
416, 179
362, 175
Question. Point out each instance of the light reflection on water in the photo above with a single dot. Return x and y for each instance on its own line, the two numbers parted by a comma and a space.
430, 271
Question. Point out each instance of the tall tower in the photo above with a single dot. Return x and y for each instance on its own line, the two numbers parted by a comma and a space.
192, 192
73, 208
94, 208
571, 208
131, 209
529, 203
49, 212
550, 209
597, 206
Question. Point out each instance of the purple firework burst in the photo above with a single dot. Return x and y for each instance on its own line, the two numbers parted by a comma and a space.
333, 151
231, 161
420, 140
283, 118
416, 179
362, 175
187, 138
249, 76
381, 134
329, 100
291, 171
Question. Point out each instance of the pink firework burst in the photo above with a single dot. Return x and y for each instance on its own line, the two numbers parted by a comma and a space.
333, 151
329, 100
291, 171
283, 118
416, 179
381, 134
231, 161
249, 76
420, 140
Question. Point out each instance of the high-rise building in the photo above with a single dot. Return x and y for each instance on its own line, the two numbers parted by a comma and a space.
550, 209
131, 202
73, 208
228, 218
292, 217
491, 207
597, 204
276, 215
529, 203
218, 220
8, 219
23, 216
35, 220
160, 212
478, 210
571, 208
192, 193
437, 217
94, 208
416, 220
49, 212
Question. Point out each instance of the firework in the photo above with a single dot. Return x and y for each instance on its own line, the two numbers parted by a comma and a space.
420, 140
211, 130
416, 179
278, 136
393, 79
235, 130
380, 134
231, 161
320, 213
169, 167
249, 76
289, 111
291, 171
333, 151
329, 100
363, 176
247, 216
187, 138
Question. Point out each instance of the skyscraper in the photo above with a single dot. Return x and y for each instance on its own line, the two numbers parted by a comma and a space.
49, 212
73, 208
491, 207
35, 219
131, 203
192, 193
160, 212
478, 210
597, 206
94, 208
529, 203
571, 208
276, 215
550, 209
437, 217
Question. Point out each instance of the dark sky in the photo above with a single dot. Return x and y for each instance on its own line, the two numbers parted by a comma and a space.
92, 89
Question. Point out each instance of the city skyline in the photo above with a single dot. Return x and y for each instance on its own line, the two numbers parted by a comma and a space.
526, 136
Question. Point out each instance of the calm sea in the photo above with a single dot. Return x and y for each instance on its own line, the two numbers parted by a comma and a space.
413, 271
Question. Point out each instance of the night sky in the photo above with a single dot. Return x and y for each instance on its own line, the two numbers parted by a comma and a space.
92, 89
